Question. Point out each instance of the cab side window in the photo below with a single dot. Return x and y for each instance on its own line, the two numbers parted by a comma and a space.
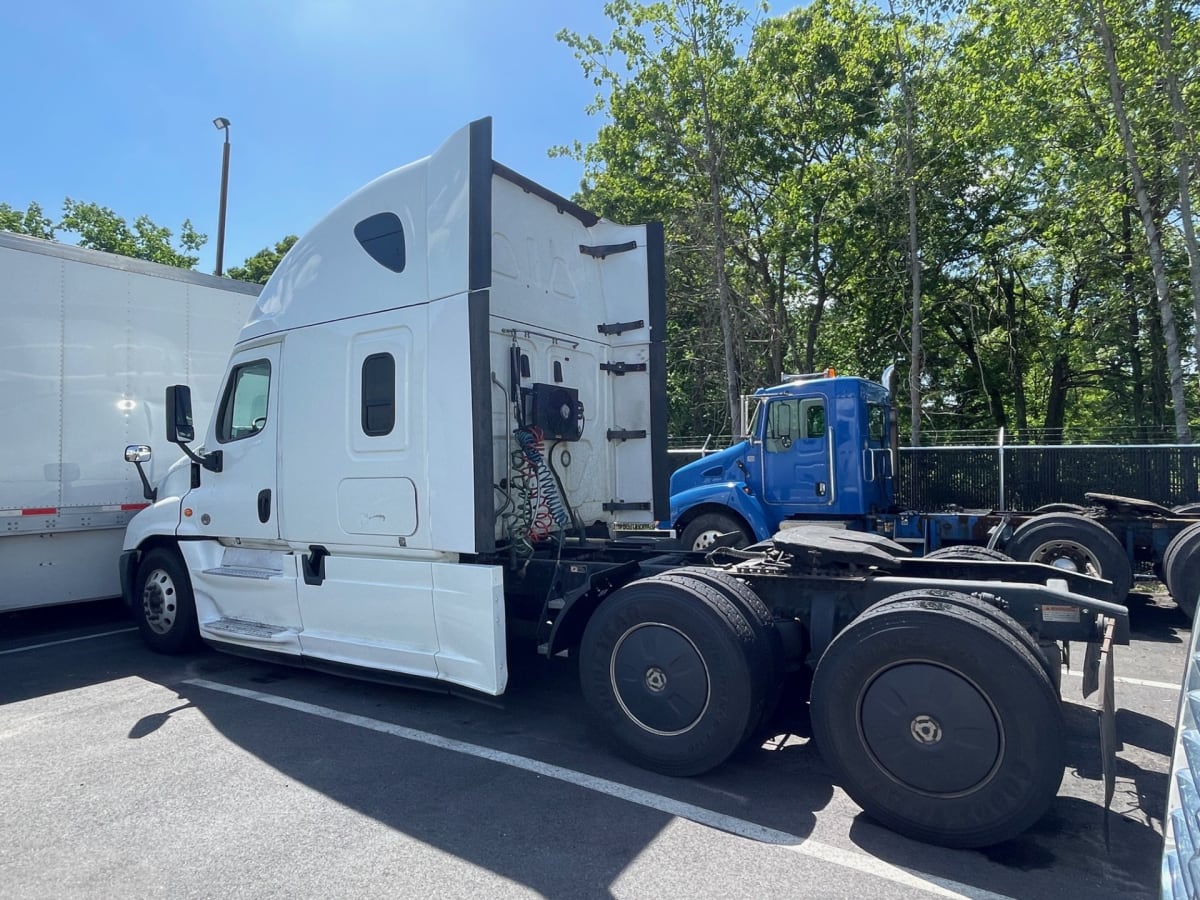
814, 418
783, 424
876, 423
244, 406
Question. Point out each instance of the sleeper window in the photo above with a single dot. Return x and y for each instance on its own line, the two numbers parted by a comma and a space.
378, 394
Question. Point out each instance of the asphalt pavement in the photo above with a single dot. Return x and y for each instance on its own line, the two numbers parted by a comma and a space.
207, 775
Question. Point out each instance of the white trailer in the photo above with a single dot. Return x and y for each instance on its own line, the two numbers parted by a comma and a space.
449, 395
89, 343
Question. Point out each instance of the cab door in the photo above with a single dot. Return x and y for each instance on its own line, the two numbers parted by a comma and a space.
240, 502
795, 456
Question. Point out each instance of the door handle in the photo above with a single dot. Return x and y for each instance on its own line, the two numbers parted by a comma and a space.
264, 505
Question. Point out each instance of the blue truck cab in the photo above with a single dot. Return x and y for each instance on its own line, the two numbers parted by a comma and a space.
817, 448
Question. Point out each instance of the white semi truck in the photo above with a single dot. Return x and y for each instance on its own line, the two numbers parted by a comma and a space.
448, 397
89, 343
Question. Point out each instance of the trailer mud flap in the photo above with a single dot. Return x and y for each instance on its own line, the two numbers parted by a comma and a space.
1108, 721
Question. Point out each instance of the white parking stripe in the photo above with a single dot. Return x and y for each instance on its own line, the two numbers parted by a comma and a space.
1120, 679
86, 637
850, 859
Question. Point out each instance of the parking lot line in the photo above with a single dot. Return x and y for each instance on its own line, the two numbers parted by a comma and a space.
1120, 679
86, 637
849, 859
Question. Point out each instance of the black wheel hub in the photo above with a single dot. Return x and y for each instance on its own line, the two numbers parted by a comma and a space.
930, 728
659, 678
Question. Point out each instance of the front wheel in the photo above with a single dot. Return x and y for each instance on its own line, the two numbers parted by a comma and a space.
163, 605
939, 723
702, 532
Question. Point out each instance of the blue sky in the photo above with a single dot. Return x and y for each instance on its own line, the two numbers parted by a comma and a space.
113, 102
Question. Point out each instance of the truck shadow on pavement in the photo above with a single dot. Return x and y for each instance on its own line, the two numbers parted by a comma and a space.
778, 781
499, 818
1156, 618
550, 836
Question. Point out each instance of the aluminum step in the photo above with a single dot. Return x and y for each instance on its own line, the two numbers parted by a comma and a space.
244, 572
255, 631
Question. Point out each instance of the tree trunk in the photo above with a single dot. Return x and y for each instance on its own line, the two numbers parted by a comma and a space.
1179, 120
1153, 238
914, 244
1016, 362
1133, 312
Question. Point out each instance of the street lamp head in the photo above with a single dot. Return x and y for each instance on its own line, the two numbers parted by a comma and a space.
220, 122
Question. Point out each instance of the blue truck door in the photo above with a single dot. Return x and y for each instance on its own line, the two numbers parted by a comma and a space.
877, 459
795, 456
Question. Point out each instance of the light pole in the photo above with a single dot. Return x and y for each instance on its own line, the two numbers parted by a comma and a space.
222, 123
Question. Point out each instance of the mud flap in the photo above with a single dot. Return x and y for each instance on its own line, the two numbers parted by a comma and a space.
1108, 722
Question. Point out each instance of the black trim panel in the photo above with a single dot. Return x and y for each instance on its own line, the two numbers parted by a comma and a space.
656, 267
479, 208
479, 314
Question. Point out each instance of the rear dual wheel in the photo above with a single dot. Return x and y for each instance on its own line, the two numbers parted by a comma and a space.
674, 674
1074, 543
939, 722
1181, 569
969, 552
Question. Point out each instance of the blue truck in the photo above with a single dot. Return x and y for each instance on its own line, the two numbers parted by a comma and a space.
822, 448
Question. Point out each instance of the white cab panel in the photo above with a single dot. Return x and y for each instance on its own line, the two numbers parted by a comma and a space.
237, 588
548, 297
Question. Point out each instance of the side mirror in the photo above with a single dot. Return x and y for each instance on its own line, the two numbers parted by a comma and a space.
138, 454
179, 414
180, 430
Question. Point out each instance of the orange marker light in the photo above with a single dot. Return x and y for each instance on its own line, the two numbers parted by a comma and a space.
187, 512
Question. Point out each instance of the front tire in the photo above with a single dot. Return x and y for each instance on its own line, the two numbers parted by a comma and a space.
163, 605
666, 668
702, 532
939, 723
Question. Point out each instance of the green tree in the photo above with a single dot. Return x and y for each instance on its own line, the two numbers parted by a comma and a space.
32, 222
258, 268
677, 98
99, 228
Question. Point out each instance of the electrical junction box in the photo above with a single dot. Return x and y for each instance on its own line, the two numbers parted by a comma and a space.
555, 410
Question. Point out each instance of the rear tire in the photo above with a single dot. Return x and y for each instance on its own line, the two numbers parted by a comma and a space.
1077, 544
968, 551
939, 723
703, 530
1181, 569
163, 605
666, 667
1051, 665
769, 655
1058, 508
